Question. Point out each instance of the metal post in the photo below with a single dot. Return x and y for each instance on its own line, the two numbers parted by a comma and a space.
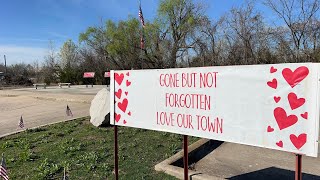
185, 156
298, 173
116, 166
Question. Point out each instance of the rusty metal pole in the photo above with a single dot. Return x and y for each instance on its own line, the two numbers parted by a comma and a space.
116, 165
298, 173
185, 156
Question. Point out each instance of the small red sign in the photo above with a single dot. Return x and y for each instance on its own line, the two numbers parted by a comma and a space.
88, 74
106, 74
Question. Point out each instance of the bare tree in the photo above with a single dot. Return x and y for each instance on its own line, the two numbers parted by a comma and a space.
298, 16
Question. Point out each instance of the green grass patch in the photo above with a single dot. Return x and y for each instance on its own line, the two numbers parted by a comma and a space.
87, 152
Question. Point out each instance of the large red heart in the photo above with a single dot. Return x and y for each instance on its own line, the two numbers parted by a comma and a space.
282, 119
294, 101
117, 117
118, 94
123, 105
299, 141
118, 78
273, 83
293, 78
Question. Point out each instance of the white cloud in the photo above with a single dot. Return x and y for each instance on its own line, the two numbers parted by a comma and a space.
21, 54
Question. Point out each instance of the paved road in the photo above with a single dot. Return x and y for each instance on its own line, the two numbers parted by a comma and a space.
42, 106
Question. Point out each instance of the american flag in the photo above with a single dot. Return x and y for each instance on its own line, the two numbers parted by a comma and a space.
3, 169
21, 124
68, 111
141, 16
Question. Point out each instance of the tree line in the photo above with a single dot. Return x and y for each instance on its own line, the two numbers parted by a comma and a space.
182, 35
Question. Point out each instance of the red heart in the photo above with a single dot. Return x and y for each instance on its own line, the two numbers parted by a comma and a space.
273, 70
117, 117
299, 141
270, 129
304, 115
126, 93
293, 78
128, 83
123, 105
294, 101
129, 113
280, 144
282, 119
118, 78
124, 122
128, 74
118, 94
273, 84
276, 99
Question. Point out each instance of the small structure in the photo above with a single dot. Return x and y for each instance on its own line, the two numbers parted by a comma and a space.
67, 84
107, 78
40, 84
88, 78
2, 76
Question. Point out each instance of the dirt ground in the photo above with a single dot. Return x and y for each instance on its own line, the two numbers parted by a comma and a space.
42, 106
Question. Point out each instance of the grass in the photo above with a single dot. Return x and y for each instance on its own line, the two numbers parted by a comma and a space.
87, 152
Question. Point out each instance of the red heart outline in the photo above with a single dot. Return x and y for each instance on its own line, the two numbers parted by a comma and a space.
126, 93
118, 94
304, 115
299, 141
273, 70
118, 78
282, 119
128, 83
270, 129
280, 144
117, 117
295, 77
294, 101
123, 105
277, 98
273, 84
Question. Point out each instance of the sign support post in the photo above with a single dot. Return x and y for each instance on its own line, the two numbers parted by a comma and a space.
185, 156
298, 173
116, 158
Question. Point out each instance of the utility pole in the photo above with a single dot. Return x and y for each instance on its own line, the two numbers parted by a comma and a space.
5, 64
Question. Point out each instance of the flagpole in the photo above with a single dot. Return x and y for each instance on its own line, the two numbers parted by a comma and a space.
141, 38
141, 35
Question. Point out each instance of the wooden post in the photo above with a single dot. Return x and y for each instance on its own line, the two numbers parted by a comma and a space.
298, 173
116, 165
185, 156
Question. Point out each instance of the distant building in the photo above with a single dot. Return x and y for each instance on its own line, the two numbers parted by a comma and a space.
1, 75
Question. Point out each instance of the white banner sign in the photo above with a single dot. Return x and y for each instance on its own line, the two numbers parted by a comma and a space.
273, 106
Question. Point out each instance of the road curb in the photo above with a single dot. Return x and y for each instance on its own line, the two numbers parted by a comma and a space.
178, 172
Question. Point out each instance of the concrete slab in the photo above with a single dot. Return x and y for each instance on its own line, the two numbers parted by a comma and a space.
235, 161
239, 162
42, 106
